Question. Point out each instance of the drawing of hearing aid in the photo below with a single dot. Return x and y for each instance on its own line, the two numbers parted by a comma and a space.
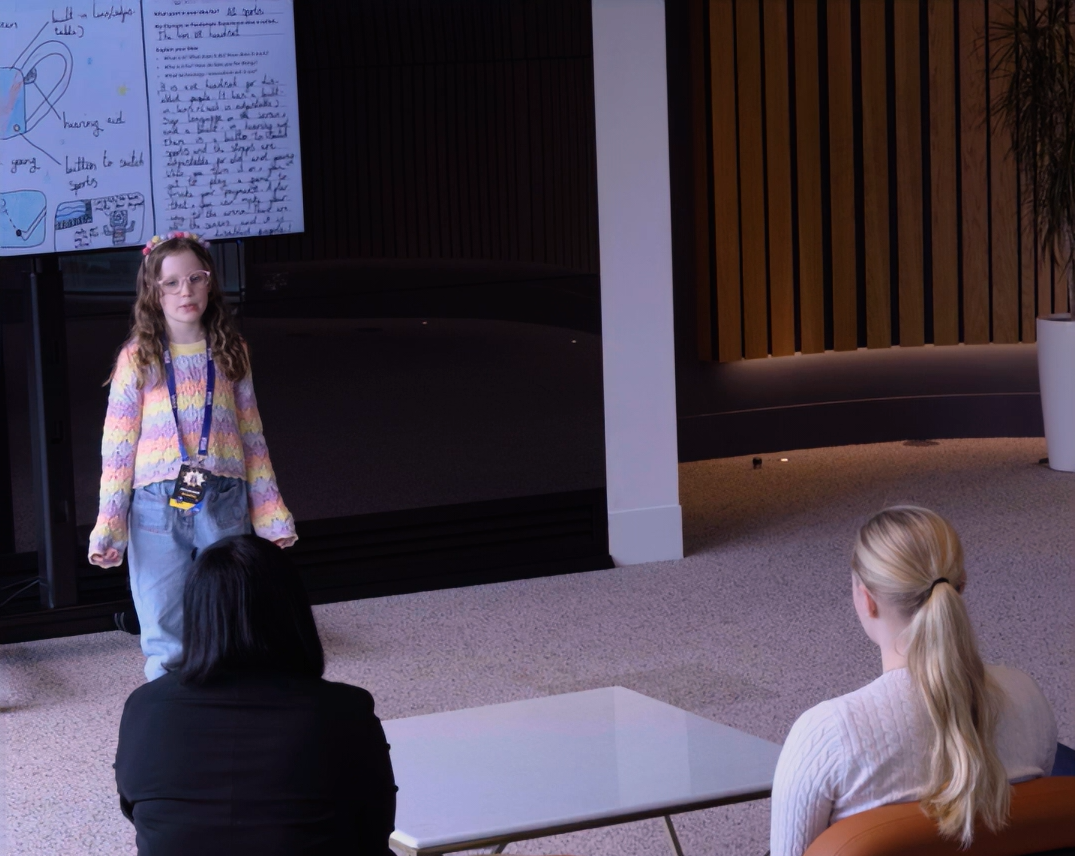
20, 107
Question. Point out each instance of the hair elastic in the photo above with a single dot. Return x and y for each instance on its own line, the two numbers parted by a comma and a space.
159, 239
936, 583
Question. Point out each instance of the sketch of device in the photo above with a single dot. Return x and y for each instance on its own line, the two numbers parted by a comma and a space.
104, 222
119, 225
31, 86
22, 219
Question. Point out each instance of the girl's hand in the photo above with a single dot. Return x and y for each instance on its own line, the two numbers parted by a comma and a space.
108, 559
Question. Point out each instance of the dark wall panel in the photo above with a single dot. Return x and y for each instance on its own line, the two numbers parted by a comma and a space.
442, 129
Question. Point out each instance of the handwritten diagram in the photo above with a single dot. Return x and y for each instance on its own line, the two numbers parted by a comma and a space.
32, 84
73, 125
22, 219
122, 119
102, 223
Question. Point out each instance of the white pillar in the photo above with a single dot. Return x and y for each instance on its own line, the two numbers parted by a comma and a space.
645, 523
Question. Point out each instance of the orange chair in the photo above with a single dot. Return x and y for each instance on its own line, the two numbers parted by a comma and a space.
1042, 822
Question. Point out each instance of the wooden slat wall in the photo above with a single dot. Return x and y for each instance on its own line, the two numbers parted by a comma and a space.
944, 168
905, 212
875, 174
1028, 265
844, 248
908, 61
725, 180
1004, 205
460, 130
807, 132
752, 179
778, 161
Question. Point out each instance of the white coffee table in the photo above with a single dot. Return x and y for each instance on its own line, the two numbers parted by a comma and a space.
487, 776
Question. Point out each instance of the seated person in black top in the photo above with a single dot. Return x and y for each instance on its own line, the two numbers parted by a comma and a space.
243, 747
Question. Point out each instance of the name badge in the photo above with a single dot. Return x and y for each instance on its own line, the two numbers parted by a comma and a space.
190, 487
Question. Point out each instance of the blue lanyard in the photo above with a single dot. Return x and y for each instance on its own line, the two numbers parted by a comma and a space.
210, 386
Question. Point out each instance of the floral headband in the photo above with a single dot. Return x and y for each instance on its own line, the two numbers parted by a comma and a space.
160, 239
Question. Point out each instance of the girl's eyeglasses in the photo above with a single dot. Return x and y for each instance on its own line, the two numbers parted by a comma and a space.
198, 279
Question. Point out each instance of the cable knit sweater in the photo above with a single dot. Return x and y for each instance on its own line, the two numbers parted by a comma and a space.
872, 747
140, 447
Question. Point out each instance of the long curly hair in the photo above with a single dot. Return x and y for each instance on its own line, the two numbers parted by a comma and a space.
148, 330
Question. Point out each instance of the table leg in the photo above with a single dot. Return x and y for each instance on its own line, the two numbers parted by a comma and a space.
671, 830
499, 848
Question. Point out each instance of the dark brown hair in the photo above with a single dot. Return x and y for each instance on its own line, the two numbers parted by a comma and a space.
245, 608
147, 318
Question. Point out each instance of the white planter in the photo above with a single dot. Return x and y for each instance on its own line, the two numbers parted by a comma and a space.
1056, 373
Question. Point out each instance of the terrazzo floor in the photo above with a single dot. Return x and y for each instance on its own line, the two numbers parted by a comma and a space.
751, 628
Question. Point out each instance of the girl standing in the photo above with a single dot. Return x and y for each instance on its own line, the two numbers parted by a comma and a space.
184, 461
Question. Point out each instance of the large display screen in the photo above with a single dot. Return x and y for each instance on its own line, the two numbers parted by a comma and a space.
123, 120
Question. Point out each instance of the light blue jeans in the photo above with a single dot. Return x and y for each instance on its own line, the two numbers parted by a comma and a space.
161, 548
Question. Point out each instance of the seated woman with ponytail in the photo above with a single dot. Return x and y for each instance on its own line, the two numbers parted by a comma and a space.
938, 726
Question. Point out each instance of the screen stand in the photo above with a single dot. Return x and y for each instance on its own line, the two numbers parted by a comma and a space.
50, 437
7, 504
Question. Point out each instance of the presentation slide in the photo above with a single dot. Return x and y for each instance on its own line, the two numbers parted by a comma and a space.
119, 121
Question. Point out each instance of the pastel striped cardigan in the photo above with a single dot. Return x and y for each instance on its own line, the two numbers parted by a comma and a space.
139, 446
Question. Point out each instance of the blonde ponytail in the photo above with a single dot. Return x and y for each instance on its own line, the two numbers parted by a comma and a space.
911, 558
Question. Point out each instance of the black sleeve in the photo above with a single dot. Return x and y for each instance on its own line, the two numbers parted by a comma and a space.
377, 808
121, 763
126, 808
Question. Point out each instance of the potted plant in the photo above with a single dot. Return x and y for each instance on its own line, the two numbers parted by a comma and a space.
1033, 77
